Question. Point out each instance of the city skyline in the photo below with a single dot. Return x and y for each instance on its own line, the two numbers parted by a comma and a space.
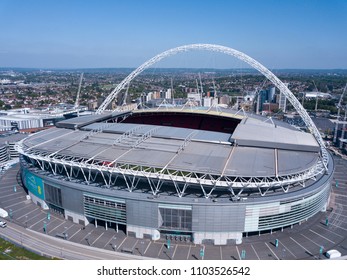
77, 34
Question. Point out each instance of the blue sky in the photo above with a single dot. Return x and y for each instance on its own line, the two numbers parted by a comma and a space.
101, 33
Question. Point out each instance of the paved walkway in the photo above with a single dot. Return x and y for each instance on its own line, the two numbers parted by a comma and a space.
299, 242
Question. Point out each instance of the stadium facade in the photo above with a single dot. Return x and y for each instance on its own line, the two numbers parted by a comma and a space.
210, 176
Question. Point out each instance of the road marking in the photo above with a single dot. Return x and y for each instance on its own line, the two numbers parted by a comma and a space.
287, 249
189, 252
255, 252
332, 225
27, 214
67, 228
56, 226
220, 250
238, 253
324, 227
38, 222
173, 255
147, 248
134, 246
271, 251
86, 236
161, 248
301, 246
340, 201
322, 236
3, 196
315, 243
109, 242
14, 204
98, 238
9, 183
74, 234
120, 245
36, 216
21, 203
341, 215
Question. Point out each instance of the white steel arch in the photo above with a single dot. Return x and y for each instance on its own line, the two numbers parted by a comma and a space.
240, 55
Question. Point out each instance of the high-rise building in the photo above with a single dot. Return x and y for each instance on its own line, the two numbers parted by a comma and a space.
282, 102
265, 96
168, 94
271, 97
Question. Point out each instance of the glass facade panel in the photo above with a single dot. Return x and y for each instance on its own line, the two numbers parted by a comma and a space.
53, 195
176, 219
298, 212
105, 210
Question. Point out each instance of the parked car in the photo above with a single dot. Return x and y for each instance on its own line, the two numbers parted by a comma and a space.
3, 213
332, 254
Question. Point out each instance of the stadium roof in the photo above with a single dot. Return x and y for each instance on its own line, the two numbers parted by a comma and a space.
254, 149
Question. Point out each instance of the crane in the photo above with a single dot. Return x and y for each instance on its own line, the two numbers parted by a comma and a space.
343, 128
77, 103
126, 95
215, 92
316, 96
172, 93
201, 90
338, 114
198, 92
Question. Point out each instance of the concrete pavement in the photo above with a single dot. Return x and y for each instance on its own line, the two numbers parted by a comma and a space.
25, 227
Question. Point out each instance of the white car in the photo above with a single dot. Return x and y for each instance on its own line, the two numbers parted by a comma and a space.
3, 224
332, 254
3, 213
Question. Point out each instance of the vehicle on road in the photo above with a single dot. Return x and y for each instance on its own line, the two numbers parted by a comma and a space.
3, 224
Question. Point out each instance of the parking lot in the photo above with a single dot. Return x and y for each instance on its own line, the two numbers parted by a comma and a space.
298, 242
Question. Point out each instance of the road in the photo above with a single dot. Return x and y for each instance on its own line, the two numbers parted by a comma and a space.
303, 241
49, 246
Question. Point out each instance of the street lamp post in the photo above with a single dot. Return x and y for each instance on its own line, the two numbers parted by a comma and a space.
321, 248
202, 252
64, 233
142, 247
243, 254
276, 243
45, 227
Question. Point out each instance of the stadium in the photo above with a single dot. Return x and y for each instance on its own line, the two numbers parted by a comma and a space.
199, 174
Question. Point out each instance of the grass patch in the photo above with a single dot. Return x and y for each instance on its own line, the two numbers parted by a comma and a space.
9, 251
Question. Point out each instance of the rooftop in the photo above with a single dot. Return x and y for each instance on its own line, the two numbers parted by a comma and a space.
255, 148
